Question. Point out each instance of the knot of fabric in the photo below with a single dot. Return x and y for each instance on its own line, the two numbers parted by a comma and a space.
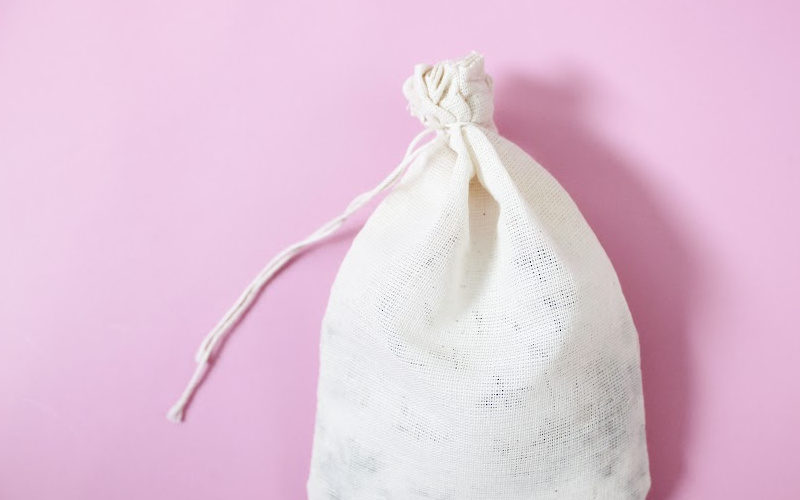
451, 92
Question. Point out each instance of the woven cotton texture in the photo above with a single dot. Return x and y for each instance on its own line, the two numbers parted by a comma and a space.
476, 344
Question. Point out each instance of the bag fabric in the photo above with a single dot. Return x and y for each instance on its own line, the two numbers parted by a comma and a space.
477, 343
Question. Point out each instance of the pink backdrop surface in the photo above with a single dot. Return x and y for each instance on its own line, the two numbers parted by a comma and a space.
154, 156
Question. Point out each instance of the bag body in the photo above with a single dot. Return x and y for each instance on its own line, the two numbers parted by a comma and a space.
477, 343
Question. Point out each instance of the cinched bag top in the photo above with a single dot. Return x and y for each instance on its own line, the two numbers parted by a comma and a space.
451, 91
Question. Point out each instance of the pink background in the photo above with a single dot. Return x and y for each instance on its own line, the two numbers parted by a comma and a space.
154, 155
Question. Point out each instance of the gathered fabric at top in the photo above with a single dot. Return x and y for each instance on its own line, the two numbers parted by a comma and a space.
450, 92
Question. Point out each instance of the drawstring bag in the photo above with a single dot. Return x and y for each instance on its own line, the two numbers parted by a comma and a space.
476, 344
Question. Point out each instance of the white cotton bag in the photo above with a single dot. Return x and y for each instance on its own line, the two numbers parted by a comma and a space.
477, 343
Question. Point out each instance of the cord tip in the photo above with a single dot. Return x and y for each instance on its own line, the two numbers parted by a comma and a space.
175, 414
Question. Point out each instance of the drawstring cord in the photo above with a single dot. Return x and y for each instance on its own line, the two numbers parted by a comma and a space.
215, 336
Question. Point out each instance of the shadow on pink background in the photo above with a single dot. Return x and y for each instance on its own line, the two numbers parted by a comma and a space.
154, 156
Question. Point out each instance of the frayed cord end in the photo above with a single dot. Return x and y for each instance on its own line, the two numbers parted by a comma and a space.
175, 414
